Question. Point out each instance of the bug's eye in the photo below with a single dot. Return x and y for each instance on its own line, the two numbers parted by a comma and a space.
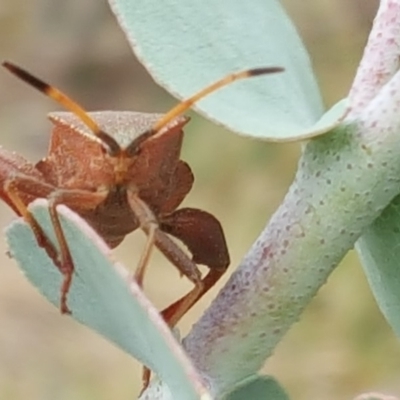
105, 149
135, 151
111, 150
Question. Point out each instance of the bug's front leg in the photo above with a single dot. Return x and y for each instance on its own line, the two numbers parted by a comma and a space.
20, 187
75, 199
17, 188
14, 190
156, 237
21, 183
202, 233
149, 225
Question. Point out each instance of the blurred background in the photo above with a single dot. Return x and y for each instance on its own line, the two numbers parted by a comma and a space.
341, 346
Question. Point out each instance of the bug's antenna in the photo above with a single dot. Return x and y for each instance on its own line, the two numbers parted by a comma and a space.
61, 98
186, 104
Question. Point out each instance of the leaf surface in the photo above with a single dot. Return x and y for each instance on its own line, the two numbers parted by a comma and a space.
102, 298
379, 250
187, 45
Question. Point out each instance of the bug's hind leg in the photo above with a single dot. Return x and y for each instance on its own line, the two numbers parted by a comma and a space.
202, 233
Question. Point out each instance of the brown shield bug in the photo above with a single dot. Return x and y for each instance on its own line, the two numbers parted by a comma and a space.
120, 171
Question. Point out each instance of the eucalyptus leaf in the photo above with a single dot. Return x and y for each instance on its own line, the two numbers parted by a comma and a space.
259, 388
375, 396
103, 298
187, 45
379, 250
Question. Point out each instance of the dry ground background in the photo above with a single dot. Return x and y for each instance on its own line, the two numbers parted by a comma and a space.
340, 347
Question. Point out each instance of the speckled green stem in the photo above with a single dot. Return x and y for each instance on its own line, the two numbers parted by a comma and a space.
343, 183
345, 179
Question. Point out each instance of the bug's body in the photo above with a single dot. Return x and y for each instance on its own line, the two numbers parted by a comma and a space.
157, 174
118, 194
120, 171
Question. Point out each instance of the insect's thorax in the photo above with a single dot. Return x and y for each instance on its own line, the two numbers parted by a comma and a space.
112, 218
77, 158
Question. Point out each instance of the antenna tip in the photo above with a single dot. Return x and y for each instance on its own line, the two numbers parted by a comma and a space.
27, 77
8, 65
264, 70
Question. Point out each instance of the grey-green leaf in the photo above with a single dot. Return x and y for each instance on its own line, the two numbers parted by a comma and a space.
375, 396
102, 299
259, 388
187, 45
379, 250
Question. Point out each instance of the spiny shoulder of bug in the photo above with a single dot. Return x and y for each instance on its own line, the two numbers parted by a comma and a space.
77, 158
125, 127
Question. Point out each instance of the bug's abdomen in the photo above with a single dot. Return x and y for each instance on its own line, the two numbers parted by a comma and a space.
113, 219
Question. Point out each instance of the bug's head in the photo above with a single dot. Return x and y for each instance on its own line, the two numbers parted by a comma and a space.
110, 145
